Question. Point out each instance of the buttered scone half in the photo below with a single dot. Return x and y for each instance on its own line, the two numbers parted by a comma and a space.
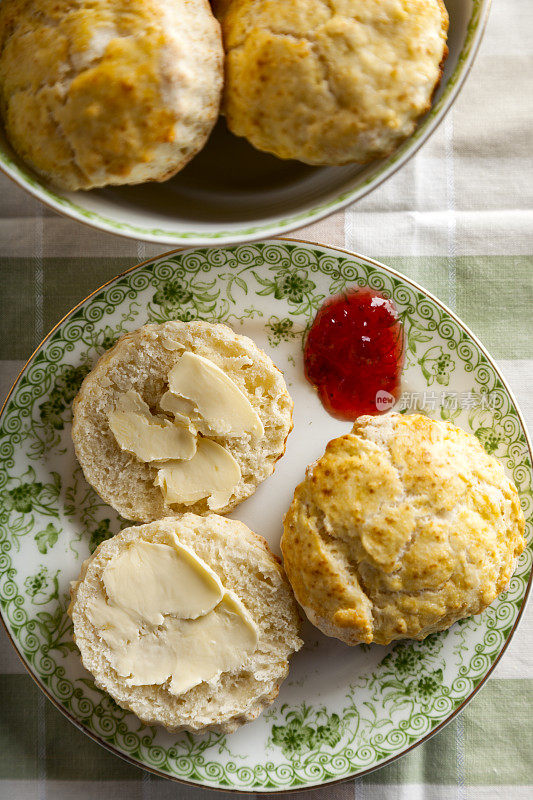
188, 622
182, 416
98, 92
404, 526
330, 82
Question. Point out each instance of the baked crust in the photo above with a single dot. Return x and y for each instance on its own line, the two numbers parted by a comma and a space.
330, 83
402, 527
109, 91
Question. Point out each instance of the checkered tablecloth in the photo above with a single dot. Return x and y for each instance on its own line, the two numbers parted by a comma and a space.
458, 219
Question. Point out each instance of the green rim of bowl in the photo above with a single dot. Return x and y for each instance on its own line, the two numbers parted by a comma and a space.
28, 181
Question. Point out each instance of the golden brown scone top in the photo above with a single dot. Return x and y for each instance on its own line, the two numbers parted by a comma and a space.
330, 82
88, 88
403, 527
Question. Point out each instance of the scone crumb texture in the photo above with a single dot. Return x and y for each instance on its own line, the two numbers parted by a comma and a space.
180, 416
167, 617
188, 622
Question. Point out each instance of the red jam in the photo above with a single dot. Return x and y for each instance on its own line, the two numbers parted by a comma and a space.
354, 354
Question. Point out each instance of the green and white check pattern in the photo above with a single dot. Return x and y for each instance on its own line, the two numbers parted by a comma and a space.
458, 219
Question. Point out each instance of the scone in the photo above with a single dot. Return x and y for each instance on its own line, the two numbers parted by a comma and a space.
183, 416
404, 526
330, 83
188, 622
98, 92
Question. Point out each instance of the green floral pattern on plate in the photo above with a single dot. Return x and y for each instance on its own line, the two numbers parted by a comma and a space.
319, 729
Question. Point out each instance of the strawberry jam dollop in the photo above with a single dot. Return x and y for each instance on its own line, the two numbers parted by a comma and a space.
354, 354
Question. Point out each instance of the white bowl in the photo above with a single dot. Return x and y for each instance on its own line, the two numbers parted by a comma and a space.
231, 192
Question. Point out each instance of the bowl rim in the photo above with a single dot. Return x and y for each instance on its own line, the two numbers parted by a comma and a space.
366, 771
65, 206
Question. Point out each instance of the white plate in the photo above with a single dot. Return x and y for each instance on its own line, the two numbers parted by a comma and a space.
342, 711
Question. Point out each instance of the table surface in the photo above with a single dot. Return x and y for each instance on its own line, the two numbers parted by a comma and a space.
459, 220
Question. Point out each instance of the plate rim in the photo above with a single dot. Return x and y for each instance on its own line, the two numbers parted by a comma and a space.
64, 206
160, 773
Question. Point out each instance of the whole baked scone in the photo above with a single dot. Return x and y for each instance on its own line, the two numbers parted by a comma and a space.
330, 82
182, 416
188, 622
404, 526
97, 92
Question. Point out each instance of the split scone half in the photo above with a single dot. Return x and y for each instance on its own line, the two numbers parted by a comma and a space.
183, 416
330, 83
188, 622
404, 526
